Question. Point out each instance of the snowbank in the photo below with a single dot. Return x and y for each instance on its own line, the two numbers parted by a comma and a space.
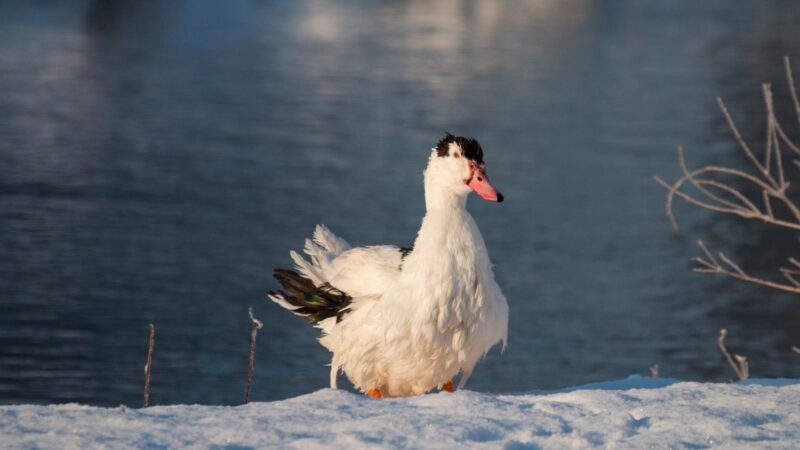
632, 413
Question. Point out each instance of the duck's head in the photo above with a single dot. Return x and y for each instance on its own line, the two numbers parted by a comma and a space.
457, 163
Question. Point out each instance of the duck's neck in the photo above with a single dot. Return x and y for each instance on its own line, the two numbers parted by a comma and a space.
447, 233
443, 198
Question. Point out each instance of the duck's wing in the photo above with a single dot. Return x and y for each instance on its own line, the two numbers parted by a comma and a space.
367, 271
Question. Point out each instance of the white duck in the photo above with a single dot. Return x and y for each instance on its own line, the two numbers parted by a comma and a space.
403, 321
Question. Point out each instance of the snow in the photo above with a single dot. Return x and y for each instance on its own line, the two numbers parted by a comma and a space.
635, 412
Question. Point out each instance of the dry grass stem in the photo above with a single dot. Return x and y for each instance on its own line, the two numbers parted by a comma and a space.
151, 340
255, 325
711, 189
737, 362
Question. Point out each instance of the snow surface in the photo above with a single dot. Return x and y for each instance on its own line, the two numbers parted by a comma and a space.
632, 413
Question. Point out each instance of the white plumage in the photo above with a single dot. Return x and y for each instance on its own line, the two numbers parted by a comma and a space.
415, 319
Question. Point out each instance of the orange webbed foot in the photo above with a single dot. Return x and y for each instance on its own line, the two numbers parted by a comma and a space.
448, 387
374, 393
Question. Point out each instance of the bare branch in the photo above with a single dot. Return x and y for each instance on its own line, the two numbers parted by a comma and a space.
255, 325
739, 364
744, 211
789, 275
736, 269
670, 196
709, 268
739, 196
768, 147
699, 185
773, 144
786, 139
714, 192
151, 339
733, 270
744, 368
739, 138
792, 89
706, 252
767, 204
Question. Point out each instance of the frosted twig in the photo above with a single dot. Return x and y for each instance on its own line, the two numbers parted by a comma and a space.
255, 325
789, 275
699, 184
786, 140
744, 368
736, 269
737, 362
709, 264
739, 139
767, 204
151, 340
792, 90
726, 207
711, 191
770, 127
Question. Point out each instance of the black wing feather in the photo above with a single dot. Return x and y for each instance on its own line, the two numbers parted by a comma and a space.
317, 303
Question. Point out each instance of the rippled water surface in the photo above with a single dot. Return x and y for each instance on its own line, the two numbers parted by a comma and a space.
158, 159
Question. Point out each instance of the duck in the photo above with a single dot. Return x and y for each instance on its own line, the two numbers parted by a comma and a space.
403, 321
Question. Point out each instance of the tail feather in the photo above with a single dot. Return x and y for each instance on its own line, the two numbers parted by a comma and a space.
329, 241
320, 258
321, 251
309, 292
303, 298
307, 269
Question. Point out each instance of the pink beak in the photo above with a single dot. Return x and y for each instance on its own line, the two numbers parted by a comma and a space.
479, 182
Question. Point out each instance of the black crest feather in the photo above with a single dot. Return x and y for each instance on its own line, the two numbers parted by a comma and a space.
469, 147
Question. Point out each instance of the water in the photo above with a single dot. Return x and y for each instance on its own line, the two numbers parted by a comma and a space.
158, 159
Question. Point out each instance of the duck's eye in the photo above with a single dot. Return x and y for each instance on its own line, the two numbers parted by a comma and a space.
456, 154
480, 179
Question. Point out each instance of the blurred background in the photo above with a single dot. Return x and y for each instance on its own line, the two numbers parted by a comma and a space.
158, 159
